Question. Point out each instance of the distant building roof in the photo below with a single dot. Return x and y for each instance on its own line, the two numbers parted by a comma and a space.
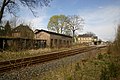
95, 37
49, 32
88, 35
85, 35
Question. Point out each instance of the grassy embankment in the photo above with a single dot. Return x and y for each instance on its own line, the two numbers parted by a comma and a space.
8, 55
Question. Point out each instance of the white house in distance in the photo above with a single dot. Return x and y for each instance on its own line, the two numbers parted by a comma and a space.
87, 38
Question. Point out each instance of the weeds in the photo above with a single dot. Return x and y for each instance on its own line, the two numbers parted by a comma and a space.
8, 55
110, 71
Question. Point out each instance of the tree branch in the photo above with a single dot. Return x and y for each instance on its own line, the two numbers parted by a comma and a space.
30, 9
6, 2
9, 10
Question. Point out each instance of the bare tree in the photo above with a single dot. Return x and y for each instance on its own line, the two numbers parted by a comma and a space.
75, 22
12, 5
14, 22
90, 34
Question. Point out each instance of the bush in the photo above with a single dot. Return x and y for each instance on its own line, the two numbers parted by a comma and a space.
100, 56
111, 70
69, 78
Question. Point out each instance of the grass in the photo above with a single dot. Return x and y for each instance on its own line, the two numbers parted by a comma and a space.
8, 55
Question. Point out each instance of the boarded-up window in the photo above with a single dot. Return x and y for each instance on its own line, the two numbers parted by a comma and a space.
67, 42
60, 42
55, 42
64, 42
51, 43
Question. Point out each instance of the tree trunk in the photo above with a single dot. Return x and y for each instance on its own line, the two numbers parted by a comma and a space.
57, 30
73, 35
3, 8
61, 29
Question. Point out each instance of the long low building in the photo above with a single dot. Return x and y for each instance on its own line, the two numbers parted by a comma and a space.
53, 39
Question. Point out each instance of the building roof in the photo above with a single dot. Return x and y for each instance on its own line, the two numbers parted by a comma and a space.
21, 27
49, 32
24, 31
95, 37
85, 35
88, 35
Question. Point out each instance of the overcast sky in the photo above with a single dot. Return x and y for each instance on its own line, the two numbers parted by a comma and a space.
101, 16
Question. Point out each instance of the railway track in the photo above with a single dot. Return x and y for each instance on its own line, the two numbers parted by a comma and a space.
19, 63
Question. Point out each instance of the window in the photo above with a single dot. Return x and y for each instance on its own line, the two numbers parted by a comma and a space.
60, 41
51, 43
55, 42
